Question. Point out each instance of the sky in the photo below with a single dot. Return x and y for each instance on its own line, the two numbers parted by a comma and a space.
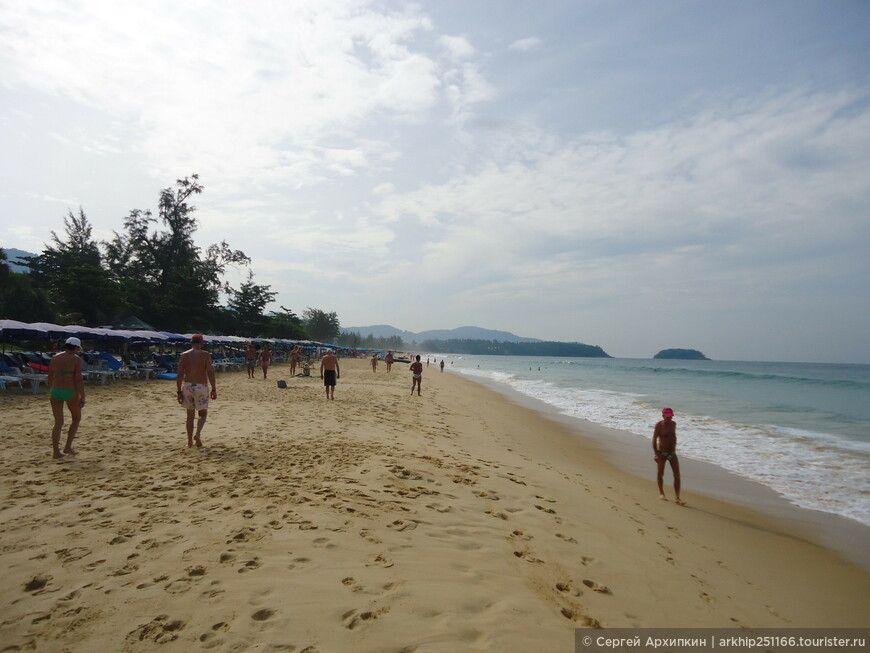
633, 175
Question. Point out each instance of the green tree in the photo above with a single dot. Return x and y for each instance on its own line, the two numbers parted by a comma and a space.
165, 275
19, 298
285, 324
71, 274
321, 326
248, 303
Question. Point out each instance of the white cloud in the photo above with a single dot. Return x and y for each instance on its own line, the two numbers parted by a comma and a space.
458, 47
525, 45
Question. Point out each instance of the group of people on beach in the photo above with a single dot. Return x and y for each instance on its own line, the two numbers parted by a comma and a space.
196, 385
253, 355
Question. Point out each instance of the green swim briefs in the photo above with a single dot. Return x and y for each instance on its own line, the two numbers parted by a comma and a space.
61, 394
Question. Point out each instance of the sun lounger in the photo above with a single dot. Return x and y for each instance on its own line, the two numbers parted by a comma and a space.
9, 379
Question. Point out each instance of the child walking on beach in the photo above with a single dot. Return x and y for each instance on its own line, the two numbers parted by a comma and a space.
665, 447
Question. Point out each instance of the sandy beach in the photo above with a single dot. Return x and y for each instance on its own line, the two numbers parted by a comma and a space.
455, 521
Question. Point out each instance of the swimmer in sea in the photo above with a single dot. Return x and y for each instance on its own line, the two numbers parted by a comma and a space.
665, 447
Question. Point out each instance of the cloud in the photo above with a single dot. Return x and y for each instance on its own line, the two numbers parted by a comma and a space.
525, 45
458, 47
221, 98
673, 207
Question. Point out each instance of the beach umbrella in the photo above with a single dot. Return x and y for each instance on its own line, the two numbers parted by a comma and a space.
56, 330
15, 330
174, 337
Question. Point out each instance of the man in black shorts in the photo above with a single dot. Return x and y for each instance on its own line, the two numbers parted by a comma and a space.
330, 373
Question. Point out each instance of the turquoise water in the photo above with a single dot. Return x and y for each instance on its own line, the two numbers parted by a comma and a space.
802, 429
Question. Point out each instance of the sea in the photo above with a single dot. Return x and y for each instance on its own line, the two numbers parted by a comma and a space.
801, 429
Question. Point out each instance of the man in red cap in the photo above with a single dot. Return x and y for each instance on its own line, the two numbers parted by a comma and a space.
195, 373
665, 447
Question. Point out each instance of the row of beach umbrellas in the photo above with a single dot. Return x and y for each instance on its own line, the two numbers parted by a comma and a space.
12, 330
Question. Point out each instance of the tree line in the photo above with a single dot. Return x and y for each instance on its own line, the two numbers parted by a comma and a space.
154, 270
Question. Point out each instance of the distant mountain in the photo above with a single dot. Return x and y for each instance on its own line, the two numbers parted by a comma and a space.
12, 254
681, 354
459, 333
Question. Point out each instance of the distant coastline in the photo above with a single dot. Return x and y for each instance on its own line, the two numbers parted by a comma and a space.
497, 348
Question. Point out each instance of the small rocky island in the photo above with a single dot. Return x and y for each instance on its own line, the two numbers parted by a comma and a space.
681, 354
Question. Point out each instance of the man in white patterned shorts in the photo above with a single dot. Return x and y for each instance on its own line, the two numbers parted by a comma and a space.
195, 373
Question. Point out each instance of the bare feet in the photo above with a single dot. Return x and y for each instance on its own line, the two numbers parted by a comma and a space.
198, 441
70, 451
663, 497
57, 454
679, 501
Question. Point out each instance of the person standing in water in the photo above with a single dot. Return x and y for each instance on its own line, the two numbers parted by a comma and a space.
665, 447
195, 373
66, 386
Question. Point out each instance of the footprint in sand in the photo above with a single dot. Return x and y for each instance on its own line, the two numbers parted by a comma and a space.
567, 538
250, 565
263, 614
496, 513
160, 630
549, 511
179, 586
484, 494
352, 584
355, 618
518, 534
402, 525
439, 507
37, 583
380, 561
528, 556
298, 562
72, 554
368, 537
596, 587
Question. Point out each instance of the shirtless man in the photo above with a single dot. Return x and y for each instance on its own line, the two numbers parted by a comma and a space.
195, 373
330, 372
266, 359
251, 359
416, 375
665, 447
374, 362
65, 385
388, 359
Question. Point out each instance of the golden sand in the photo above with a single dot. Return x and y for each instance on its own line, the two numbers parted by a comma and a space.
455, 521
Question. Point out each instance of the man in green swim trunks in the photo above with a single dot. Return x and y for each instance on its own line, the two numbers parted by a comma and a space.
665, 447
66, 386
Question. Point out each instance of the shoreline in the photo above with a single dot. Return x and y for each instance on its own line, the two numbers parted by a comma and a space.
377, 522
631, 453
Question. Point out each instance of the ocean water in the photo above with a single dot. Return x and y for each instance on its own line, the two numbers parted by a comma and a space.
802, 429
